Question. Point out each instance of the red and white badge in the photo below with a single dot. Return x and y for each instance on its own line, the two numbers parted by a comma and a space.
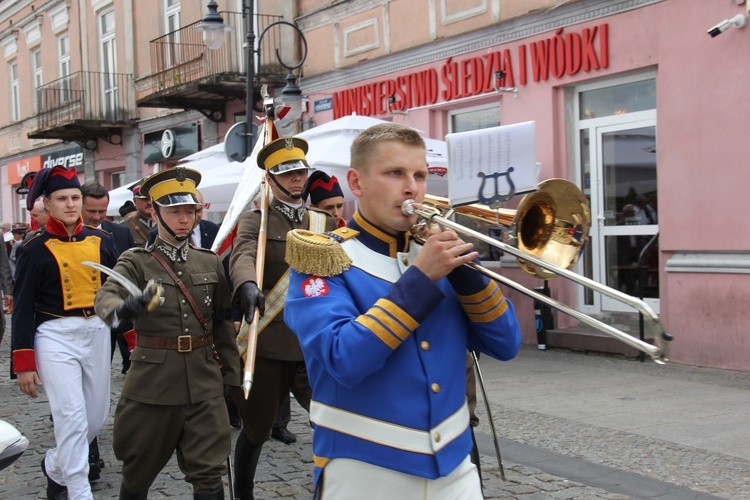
315, 286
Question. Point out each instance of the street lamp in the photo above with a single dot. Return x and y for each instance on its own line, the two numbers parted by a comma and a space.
289, 103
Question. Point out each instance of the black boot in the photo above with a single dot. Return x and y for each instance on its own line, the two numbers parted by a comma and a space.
210, 495
54, 491
127, 495
245, 462
95, 468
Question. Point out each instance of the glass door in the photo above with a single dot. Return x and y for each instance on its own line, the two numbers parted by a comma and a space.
627, 211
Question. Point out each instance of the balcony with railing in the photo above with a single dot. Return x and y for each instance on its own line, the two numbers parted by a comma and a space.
187, 75
84, 105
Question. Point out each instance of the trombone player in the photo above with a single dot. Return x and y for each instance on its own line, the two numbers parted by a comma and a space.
393, 320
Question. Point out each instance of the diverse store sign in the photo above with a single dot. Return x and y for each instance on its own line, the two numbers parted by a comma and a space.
70, 157
554, 57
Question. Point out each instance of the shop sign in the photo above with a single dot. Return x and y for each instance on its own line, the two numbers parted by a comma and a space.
171, 144
559, 55
17, 169
70, 157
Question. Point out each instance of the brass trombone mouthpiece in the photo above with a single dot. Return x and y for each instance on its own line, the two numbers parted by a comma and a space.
407, 207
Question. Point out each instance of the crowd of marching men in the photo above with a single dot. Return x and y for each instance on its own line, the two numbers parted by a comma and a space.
366, 328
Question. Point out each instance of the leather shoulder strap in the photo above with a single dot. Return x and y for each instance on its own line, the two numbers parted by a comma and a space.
138, 229
181, 286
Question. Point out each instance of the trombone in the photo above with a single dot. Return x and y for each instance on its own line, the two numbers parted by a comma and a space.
546, 234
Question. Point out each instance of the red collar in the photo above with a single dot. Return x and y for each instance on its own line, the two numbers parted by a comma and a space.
56, 227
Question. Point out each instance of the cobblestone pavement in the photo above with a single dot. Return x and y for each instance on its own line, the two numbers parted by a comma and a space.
546, 456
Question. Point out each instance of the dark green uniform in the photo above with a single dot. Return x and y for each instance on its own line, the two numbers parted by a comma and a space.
279, 364
139, 227
173, 400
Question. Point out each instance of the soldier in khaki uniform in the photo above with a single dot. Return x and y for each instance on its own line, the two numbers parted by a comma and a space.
140, 221
172, 398
279, 365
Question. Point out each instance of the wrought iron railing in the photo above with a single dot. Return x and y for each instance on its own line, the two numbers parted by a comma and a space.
181, 56
85, 95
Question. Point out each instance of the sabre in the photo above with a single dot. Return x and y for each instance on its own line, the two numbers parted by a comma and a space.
131, 287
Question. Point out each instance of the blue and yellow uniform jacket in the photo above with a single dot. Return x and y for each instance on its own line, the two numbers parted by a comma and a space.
51, 282
385, 348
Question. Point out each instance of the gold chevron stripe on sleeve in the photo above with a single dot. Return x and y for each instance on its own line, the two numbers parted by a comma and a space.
398, 313
485, 306
390, 322
380, 331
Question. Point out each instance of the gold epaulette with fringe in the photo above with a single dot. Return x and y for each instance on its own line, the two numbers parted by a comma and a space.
318, 254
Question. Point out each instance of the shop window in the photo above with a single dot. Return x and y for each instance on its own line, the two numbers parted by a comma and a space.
474, 119
618, 99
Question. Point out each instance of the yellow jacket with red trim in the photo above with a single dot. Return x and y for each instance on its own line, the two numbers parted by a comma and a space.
51, 282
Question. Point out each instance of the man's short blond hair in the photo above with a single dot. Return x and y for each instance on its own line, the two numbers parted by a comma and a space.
367, 141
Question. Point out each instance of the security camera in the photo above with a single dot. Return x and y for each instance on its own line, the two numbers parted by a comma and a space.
738, 21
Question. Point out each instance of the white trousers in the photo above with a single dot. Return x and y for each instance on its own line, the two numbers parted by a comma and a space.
73, 361
345, 479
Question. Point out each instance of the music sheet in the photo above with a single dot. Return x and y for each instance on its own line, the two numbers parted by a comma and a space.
505, 155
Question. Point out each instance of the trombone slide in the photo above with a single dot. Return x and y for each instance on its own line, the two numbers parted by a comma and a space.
658, 353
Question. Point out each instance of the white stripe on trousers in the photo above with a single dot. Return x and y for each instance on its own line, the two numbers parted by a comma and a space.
347, 479
73, 361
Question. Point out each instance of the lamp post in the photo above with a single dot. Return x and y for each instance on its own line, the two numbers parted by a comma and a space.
213, 29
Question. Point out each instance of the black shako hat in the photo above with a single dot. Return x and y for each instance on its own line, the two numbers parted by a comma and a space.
49, 180
320, 186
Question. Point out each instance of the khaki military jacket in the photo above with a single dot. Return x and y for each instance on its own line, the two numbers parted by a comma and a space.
276, 341
166, 376
139, 227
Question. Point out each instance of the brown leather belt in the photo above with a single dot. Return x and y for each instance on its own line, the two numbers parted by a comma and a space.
183, 343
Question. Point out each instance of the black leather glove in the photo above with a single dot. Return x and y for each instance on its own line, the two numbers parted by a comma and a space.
134, 307
251, 297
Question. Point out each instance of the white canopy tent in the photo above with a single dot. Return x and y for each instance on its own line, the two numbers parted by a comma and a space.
330, 144
218, 183
329, 151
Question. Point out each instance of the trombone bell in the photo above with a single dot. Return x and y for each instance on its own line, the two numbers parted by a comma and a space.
553, 225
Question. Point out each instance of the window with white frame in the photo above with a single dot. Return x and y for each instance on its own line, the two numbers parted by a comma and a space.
107, 53
63, 69
36, 68
15, 96
171, 28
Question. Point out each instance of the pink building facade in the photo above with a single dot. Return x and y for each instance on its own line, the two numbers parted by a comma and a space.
633, 101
